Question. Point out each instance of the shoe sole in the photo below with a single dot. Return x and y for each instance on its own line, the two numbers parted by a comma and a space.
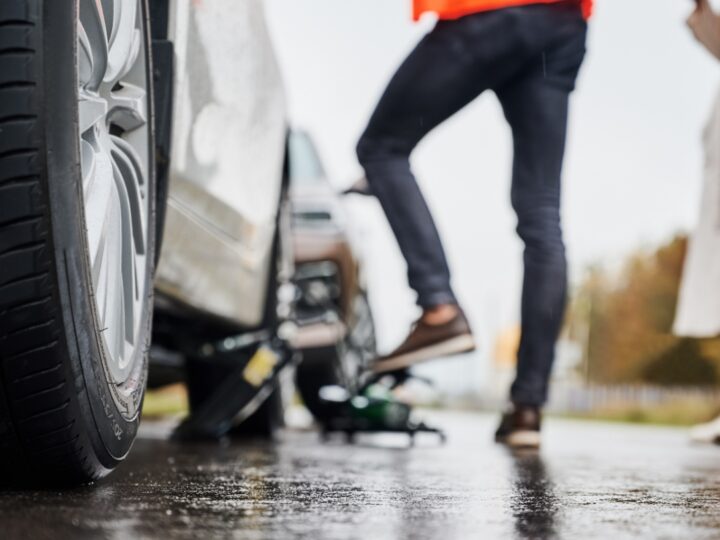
522, 439
456, 345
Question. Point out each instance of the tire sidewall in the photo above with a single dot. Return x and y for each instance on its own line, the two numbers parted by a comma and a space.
110, 430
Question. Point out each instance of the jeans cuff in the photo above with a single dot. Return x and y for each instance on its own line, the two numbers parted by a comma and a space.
438, 298
529, 399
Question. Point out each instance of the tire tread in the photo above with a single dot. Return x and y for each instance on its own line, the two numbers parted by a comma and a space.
39, 437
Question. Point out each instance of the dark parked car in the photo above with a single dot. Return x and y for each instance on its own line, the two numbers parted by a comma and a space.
335, 333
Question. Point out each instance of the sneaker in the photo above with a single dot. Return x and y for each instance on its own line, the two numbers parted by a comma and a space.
706, 433
428, 342
520, 427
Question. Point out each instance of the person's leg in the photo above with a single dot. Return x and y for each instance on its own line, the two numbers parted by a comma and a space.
442, 75
536, 106
451, 66
413, 103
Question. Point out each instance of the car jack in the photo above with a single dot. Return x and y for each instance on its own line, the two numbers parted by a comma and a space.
374, 409
247, 386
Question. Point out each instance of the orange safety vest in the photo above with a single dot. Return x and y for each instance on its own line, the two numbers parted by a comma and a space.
452, 9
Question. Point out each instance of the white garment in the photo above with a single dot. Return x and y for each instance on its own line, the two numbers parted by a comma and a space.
706, 433
698, 313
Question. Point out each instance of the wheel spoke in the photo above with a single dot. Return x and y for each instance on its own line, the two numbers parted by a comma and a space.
108, 288
131, 154
94, 38
93, 111
120, 326
101, 280
98, 187
109, 11
88, 164
127, 257
125, 40
85, 58
130, 174
114, 308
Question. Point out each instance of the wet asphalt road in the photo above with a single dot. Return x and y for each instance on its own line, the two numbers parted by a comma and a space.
591, 480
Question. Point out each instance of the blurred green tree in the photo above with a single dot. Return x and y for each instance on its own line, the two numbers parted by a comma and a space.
683, 364
625, 320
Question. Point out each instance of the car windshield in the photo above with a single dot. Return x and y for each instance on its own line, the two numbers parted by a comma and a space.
305, 165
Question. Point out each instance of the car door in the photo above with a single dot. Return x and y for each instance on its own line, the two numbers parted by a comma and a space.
229, 142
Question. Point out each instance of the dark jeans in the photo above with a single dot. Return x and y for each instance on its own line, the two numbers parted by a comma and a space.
530, 57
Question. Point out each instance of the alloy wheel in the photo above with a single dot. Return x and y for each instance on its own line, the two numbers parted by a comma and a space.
114, 150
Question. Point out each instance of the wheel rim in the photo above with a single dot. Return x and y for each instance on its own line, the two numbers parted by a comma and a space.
114, 152
362, 334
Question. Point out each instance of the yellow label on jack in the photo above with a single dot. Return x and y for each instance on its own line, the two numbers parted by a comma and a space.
260, 367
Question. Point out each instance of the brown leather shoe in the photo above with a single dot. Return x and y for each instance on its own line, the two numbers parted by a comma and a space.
428, 342
520, 427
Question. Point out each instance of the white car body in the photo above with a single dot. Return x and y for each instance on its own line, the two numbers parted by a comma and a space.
228, 151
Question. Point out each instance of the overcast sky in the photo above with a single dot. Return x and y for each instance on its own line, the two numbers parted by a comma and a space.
633, 168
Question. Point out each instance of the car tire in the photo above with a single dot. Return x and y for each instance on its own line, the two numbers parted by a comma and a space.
66, 416
341, 364
318, 368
